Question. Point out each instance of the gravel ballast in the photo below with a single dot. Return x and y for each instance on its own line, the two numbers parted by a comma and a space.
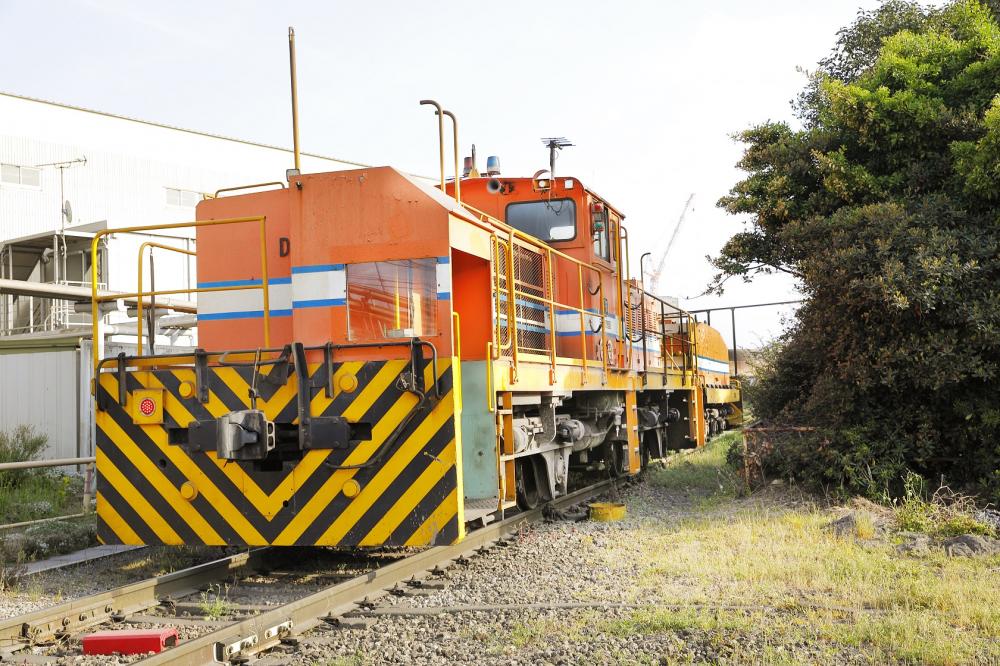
557, 594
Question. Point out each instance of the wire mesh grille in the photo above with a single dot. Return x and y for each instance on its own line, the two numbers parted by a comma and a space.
530, 287
530, 309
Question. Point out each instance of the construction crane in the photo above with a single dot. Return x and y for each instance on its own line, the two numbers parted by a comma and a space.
654, 277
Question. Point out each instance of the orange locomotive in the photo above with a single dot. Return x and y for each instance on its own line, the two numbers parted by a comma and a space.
387, 365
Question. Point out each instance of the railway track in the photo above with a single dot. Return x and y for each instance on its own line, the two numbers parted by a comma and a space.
259, 628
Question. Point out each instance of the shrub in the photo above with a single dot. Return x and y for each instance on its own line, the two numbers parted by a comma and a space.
18, 445
882, 204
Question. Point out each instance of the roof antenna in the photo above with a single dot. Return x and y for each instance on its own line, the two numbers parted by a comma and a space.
555, 143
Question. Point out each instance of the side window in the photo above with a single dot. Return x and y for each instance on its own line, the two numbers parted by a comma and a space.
614, 230
599, 226
392, 299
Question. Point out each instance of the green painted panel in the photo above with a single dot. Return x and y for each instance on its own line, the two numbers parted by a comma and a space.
479, 455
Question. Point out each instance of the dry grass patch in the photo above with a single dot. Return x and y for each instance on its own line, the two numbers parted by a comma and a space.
782, 560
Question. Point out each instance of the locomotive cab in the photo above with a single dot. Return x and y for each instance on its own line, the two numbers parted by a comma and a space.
560, 212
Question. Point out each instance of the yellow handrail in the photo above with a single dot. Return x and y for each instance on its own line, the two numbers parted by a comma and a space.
490, 391
511, 305
513, 236
626, 270
96, 299
142, 248
552, 316
248, 187
583, 323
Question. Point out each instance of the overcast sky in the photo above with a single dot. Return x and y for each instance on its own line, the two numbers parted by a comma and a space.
650, 92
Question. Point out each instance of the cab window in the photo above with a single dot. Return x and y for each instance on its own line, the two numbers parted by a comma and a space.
553, 220
601, 227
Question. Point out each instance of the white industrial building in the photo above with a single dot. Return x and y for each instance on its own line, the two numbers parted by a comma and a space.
66, 173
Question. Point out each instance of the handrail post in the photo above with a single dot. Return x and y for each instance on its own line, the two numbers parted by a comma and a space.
458, 177
663, 344
625, 270
457, 326
552, 315
440, 115
642, 320
142, 248
496, 290
264, 283
604, 330
511, 309
583, 323
693, 343
94, 307
491, 395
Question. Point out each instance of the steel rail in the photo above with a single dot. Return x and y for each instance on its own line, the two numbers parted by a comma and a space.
266, 630
72, 616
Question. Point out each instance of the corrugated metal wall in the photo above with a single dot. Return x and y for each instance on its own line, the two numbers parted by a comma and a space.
41, 389
50, 390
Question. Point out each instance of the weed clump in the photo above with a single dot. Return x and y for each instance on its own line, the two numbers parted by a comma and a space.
215, 602
944, 513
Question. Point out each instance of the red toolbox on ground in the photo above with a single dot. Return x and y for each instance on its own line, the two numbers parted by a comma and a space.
129, 641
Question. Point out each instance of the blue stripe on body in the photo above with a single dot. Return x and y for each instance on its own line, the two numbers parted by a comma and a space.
317, 268
250, 314
244, 283
319, 303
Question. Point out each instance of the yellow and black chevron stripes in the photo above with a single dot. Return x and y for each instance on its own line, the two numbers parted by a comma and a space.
410, 497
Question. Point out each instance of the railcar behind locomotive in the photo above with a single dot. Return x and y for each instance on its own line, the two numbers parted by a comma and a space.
383, 362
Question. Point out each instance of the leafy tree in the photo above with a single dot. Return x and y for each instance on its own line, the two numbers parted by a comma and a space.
884, 206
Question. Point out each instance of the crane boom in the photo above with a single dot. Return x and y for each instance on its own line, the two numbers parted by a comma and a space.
654, 281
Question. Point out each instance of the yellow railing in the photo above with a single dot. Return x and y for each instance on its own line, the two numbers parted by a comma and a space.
97, 299
507, 284
142, 249
504, 238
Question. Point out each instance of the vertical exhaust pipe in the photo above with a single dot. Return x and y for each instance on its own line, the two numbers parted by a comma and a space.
295, 98
440, 115
458, 176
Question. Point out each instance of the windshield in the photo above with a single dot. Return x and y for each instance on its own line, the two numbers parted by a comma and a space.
545, 220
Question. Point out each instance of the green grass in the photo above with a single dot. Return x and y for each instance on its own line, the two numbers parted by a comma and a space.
765, 571
40, 495
702, 473
33, 494
30, 494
